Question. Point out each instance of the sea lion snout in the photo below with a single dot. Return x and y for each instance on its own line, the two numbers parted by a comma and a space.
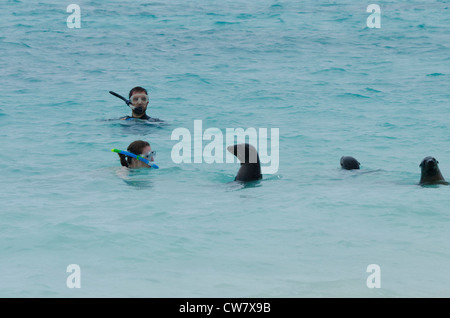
432, 162
245, 153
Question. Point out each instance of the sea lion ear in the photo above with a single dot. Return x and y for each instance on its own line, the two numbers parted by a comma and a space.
437, 162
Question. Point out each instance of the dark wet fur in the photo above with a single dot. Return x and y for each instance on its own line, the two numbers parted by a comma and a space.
430, 173
349, 163
248, 171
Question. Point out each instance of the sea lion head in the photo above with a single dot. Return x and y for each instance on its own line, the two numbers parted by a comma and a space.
349, 163
245, 153
429, 166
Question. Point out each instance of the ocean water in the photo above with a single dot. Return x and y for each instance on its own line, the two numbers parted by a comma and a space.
312, 69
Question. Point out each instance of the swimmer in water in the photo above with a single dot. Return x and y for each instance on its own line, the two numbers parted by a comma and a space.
138, 103
140, 148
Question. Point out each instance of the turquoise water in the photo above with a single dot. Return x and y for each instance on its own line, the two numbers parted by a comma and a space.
313, 69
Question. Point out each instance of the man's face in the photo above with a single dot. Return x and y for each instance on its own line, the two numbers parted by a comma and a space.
139, 99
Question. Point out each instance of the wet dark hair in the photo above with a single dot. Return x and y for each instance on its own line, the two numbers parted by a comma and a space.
135, 147
136, 90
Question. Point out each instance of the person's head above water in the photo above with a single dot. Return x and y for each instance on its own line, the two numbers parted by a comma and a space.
139, 100
140, 148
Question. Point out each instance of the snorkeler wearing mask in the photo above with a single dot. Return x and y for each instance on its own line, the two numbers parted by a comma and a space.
138, 148
138, 102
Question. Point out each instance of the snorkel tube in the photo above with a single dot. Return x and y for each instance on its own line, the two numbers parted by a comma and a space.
121, 97
137, 110
129, 154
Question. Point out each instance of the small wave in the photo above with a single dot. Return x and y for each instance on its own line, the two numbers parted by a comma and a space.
245, 16
19, 25
331, 69
271, 177
353, 95
225, 23
154, 4
138, 123
19, 44
147, 15
182, 77
239, 185
276, 6
373, 90
388, 125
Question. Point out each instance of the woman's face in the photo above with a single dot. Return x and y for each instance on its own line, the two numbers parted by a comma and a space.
136, 163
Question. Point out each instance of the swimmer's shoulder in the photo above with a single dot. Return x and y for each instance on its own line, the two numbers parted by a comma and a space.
146, 118
125, 118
